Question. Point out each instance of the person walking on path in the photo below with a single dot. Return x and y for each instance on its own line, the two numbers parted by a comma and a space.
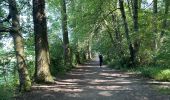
101, 60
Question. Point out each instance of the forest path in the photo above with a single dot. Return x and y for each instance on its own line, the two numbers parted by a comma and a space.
90, 82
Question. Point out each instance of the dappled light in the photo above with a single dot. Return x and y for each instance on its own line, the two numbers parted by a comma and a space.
89, 82
105, 93
84, 49
113, 75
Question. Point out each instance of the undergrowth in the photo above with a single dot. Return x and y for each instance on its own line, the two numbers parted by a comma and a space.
159, 73
7, 92
156, 73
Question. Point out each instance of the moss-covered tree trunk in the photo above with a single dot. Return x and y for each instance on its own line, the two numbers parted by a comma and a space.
24, 79
42, 61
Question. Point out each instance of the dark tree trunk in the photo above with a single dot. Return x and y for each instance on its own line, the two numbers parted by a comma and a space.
42, 61
131, 50
135, 15
67, 58
136, 28
24, 79
155, 6
78, 58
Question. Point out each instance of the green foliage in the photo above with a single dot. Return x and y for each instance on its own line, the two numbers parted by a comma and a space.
56, 58
164, 52
158, 73
89, 25
31, 68
164, 90
30, 54
7, 92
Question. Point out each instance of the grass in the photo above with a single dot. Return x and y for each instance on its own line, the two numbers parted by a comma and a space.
164, 90
159, 73
156, 73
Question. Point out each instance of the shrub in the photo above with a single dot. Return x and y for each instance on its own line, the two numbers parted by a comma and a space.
7, 92
157, 73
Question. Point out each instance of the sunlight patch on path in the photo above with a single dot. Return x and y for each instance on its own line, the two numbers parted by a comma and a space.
90, 82
105, 93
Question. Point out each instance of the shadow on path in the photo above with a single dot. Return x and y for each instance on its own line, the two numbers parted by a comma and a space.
90, 82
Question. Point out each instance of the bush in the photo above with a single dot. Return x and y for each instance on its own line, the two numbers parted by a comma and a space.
157, 73
7, 92
57, 66
163, 75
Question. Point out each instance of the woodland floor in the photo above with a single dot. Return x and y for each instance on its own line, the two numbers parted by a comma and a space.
90, 82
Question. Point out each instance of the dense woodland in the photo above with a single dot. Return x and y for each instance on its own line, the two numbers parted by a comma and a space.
41, 39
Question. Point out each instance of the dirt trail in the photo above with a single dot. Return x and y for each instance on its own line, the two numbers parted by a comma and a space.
90, 82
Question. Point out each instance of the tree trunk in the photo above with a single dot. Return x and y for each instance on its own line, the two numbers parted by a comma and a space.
129, 7
89, 49
155, 11
135, 15
164, 24
24, 79
122, 10
42, 61
67, 58
78, 58
136, 28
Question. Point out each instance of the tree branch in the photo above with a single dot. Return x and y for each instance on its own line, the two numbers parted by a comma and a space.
3, 29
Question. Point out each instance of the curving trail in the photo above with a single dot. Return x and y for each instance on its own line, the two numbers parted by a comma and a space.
90, 82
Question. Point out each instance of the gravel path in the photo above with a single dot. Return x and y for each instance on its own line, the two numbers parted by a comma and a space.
90, 82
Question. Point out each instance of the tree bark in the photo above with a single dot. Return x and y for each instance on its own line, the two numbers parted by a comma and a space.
24, 79
164, 23
136, 28
67, 58
129, 7
89, 49
42, 61
131, 50
155, 11
135, 15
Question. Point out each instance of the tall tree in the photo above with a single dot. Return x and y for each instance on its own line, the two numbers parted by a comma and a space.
67, 58
135, 15
131, 50
136, 27
164, 22
155, 11
42, 61
166, 12
24, 79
